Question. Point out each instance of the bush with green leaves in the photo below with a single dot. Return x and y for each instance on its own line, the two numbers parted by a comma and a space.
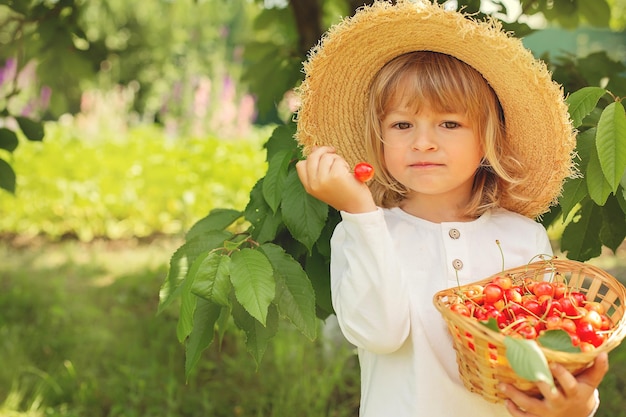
139, 184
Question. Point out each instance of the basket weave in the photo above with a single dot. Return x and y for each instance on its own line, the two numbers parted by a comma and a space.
480, 351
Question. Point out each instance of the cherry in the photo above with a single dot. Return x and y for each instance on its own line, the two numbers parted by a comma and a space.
595, 306
532, 306
579, 298
568, 325
461, 309
493, 293
363, 171
513, 295
543, 288
585, 331
593, 317
560, 289
568, 306
527, 309
503, 282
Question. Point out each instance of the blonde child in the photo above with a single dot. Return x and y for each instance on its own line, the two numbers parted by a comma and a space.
470, 140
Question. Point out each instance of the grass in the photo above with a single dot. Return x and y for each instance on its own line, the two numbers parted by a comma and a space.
79, 337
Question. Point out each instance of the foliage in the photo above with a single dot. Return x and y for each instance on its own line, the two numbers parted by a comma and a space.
79, 337
138, 184
181, 58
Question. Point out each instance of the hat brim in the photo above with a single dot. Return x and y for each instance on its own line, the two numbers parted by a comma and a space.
340, 69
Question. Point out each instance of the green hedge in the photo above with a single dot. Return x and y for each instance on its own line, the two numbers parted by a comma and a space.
135, 185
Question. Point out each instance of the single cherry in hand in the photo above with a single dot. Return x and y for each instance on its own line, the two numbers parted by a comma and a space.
363, 171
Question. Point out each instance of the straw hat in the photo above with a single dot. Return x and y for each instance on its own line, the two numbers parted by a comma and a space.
341, 67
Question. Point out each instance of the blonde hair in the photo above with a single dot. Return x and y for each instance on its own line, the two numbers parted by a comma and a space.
447, 85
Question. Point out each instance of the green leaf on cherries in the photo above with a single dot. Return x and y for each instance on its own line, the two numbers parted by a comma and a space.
557, 339
491, 324
527, 360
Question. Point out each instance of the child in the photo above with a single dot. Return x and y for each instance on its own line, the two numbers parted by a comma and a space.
470, 140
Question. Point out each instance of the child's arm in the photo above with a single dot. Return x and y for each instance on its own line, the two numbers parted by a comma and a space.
576, 398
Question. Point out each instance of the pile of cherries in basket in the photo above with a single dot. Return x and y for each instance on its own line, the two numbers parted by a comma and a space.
532, 307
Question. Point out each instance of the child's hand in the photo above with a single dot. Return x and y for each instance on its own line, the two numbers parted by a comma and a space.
575, 398
328, 177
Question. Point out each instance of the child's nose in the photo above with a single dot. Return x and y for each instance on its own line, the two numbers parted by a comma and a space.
423, 140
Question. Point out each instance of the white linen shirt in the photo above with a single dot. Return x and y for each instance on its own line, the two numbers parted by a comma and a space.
386, 266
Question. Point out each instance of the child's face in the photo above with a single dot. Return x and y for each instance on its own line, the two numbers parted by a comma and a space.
433, 154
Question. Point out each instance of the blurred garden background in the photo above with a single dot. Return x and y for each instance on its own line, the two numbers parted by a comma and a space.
123, 124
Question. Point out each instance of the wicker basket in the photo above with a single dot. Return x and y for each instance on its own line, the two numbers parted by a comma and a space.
481, 354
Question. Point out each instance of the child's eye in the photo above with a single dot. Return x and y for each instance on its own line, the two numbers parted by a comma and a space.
450, 125
402, 125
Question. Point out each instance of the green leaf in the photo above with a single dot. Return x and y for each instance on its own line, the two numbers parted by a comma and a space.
217, 219
580, 238
582, 102
222, 322
491, 324
32, 130
188, 299
265, 223
182, 260
212, 281
253, 280
527, 360
257, 335
274, 180
7, 176
295, 297
574, 190
303, 214
8, 139
613, 229
281, 140
597, 184
557, 339
318, 269
610, 143
597, 12
202, 334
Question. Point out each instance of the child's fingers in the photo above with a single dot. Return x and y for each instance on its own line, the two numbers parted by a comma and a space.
301, 169
594, 375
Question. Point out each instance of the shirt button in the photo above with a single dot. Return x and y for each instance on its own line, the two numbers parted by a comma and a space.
457, 264
454, 233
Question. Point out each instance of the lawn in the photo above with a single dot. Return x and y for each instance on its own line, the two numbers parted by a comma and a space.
79, 337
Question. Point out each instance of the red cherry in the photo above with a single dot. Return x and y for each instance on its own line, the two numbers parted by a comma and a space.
606, 322
560, 288
579, 298
568, 325
585, 331
553, 322
513, 295
568, 306
594, 318
461, 309
595, 306
363, 171
532, 306
503, 282
527, 331
543, 288
492, 293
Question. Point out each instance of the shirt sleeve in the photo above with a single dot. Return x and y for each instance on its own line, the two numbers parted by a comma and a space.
368, 289
596, 394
